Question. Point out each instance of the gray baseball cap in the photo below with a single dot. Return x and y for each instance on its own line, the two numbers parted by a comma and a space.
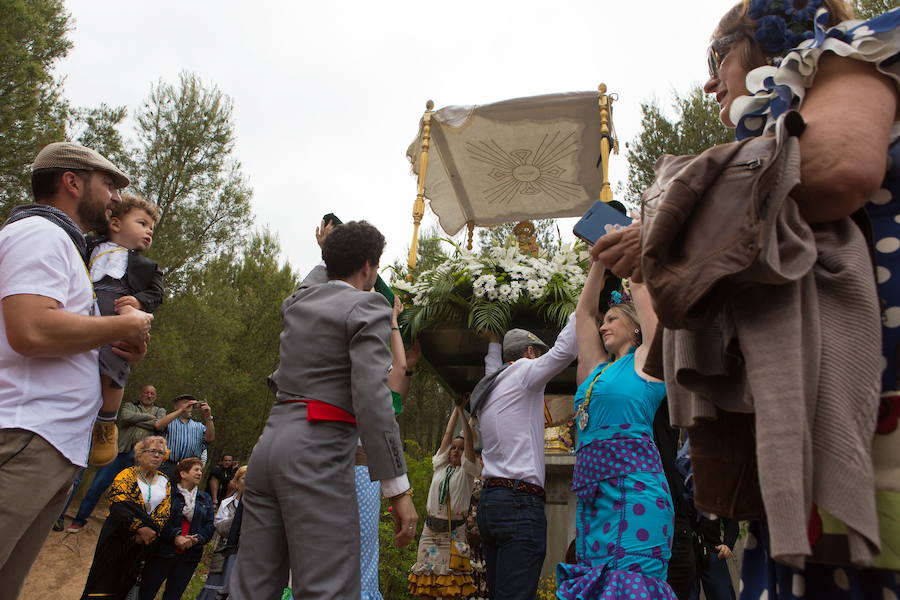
517, 340
66, 155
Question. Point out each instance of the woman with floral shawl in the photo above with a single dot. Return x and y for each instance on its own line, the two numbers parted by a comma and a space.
139, 502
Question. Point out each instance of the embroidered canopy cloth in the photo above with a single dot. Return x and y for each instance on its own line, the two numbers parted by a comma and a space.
527, 158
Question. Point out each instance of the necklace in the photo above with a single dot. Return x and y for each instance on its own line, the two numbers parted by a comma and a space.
149, 488
581, 415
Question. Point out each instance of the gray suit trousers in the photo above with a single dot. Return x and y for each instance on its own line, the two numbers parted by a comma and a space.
300, 512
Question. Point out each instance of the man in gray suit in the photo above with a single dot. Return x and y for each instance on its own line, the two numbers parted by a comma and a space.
300, 514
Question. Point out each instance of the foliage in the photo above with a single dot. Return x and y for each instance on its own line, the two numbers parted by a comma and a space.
546, 588
866, 9
394, 563
185, 165
484, 291
696, 128
32, 109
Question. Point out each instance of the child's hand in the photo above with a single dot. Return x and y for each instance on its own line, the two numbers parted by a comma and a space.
128, 301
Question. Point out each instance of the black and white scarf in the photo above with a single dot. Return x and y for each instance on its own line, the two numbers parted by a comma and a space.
55, 216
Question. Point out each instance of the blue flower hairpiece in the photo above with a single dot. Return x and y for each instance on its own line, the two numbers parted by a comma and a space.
617, 297
781, 27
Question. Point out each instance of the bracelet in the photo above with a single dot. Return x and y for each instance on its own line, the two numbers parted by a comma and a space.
395, 329
408, 492
410, 373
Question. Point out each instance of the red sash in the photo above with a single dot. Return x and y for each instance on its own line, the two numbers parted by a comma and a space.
318, 411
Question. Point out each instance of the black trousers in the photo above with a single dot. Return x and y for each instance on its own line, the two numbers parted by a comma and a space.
175, 572
682, 565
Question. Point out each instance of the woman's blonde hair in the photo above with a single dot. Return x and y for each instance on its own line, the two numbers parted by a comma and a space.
144, 445
240, 473
752, 54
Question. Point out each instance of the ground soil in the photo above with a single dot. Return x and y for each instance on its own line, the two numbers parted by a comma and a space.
62, 567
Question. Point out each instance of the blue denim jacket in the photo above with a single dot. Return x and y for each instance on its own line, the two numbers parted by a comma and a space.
201, 525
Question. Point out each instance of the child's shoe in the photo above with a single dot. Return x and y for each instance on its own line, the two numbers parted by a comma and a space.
104, 443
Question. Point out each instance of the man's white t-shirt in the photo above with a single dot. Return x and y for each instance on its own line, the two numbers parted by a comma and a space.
57, 398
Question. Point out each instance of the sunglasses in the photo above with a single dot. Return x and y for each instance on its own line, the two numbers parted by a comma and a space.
718, 50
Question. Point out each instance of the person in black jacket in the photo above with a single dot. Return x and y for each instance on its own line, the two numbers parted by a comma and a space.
180, 547
121, 276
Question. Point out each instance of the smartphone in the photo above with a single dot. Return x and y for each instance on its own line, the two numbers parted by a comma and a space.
600, 219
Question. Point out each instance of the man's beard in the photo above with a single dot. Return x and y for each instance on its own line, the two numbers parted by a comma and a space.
92, 216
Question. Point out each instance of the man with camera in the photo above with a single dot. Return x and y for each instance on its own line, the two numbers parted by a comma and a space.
185, 437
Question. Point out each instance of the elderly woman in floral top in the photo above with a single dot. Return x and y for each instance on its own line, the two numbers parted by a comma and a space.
139, 506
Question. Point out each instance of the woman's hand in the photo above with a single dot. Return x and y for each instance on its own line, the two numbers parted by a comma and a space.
395, 313
145, 535
620, 252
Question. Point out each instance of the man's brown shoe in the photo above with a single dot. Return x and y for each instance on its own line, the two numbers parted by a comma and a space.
104, 443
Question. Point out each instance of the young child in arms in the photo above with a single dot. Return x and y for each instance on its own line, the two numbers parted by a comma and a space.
121, 276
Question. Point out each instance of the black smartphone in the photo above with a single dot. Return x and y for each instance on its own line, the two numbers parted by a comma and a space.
600, 219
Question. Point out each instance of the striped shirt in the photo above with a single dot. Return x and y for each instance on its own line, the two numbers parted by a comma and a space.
185, 440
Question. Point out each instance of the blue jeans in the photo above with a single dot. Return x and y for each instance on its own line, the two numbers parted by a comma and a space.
716, 580
513, 528
102, 479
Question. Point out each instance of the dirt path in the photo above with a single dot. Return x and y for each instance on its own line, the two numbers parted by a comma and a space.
62, 566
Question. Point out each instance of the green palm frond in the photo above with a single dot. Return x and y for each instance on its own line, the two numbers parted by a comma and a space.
490, 316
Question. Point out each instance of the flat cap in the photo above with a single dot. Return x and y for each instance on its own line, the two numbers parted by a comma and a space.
66, 155
185, 397
517, 340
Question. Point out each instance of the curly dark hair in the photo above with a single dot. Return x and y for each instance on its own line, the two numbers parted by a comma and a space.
350, 246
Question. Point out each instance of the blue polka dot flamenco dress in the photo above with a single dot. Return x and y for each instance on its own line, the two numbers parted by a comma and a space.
624, 515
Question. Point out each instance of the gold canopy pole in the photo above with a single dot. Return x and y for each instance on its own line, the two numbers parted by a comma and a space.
605, 102
419, 205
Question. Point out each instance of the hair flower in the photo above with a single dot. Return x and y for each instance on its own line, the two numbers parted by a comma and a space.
771, 33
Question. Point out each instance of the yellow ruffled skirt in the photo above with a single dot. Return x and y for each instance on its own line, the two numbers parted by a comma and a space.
442, 568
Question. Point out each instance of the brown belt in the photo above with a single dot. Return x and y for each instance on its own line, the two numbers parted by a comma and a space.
516, 484
439, 524
361, 458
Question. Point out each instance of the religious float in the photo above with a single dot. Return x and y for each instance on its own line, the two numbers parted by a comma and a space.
508, 162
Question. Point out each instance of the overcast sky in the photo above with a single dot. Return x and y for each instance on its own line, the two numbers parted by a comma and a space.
328, 95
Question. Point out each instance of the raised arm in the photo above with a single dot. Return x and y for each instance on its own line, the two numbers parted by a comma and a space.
644, 308
590, 346
537, 372
397, 377
448, 433
468, 435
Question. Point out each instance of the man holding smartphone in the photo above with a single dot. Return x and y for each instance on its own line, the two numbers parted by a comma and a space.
185, 437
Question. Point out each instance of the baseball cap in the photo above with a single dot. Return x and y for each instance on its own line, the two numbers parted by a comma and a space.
517, 340
66, 155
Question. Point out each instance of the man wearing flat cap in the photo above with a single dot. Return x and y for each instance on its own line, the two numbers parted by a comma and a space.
509, 405
49, 336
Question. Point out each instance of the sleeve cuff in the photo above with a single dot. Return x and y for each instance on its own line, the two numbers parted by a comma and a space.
395, 485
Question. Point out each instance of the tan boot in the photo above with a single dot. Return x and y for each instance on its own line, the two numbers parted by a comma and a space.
104, 443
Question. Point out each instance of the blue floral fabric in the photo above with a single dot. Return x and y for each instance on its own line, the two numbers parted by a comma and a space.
624, 514
778, 89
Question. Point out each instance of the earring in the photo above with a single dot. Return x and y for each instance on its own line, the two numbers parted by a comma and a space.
637, 330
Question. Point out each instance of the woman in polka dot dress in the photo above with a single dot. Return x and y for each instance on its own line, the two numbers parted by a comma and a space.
766, 57
624, 516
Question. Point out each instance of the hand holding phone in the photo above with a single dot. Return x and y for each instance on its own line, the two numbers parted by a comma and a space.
600, 219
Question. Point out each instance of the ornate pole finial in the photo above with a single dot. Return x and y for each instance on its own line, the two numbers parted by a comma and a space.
419, 204
607, 143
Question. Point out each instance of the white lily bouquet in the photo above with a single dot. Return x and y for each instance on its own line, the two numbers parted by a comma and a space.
485, 291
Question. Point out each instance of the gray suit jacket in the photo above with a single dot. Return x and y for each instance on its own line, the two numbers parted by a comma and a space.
335, 347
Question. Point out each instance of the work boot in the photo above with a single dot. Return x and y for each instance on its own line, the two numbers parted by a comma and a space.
104, 443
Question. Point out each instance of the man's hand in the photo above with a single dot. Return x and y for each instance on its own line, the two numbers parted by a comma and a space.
724, 551
128, 301
620, 252
405, 519
182, 542
489, 335
145, 535
322, 232
205, 409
